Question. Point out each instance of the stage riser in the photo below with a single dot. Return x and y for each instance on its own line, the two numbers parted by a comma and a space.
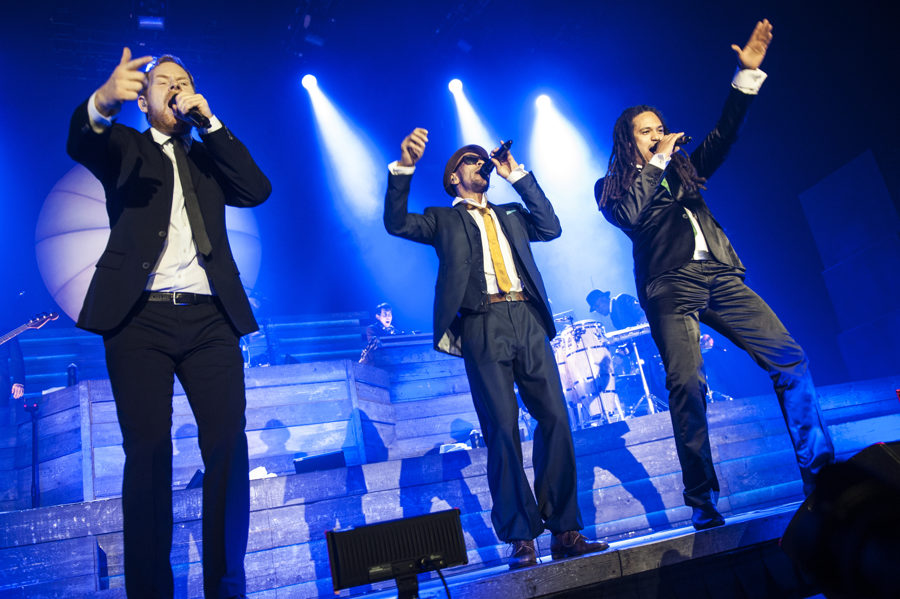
293, 411
629, 478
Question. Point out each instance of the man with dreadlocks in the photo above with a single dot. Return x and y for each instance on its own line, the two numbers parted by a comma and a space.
687, 272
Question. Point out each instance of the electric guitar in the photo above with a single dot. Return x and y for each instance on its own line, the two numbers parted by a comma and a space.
35, 323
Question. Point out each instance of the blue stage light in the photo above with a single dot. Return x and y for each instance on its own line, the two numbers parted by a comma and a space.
455, 86
566, 165
543, 101
309, 82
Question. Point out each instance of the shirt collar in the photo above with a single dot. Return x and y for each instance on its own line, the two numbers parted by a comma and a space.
472, 203
161, 138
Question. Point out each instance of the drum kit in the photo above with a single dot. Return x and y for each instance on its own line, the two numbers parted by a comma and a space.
608, 377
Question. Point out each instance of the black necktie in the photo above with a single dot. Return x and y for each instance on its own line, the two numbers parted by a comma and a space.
195, 218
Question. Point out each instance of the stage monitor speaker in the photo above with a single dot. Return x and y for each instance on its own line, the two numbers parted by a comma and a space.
322, 461
846, 535
398, 549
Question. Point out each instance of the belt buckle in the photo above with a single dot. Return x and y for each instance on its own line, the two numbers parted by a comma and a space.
175, 301
508, 297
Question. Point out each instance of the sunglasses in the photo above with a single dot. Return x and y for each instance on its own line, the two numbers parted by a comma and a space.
470, 160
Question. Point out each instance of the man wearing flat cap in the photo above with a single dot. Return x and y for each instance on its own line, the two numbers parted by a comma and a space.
490, 308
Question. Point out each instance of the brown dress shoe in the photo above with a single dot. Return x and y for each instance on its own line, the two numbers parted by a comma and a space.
572, 543
522, 554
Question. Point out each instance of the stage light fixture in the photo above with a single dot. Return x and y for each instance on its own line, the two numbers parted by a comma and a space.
309, 81
455, 86
543, 101
398, 549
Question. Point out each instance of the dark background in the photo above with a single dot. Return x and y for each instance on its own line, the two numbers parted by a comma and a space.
830, 97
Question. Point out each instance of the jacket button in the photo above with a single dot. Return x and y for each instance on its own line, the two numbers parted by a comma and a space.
684, 216
162, 233
145, 265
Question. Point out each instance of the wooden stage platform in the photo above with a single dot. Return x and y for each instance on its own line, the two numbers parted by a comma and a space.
390, 420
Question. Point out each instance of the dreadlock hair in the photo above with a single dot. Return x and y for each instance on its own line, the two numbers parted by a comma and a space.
621, 172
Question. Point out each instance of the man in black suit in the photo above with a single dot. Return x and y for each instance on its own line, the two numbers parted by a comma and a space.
687, 272
167, 299
490, 307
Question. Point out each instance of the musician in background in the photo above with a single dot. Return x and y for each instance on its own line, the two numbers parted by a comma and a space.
382, 327
12, 375
622, 311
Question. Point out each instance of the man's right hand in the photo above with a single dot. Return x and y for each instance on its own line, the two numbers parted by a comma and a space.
413, 146
666, 145
123, 85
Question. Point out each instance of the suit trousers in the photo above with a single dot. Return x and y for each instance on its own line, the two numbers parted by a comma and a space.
715, 294
507, 344
198, 344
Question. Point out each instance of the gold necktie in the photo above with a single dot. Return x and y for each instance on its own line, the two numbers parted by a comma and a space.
503, 281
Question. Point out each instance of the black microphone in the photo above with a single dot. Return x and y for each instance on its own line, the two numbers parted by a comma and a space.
681, 141
193, 116
500, 154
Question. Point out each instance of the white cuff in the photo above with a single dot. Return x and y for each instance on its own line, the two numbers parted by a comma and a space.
99, 123
396, 169
214, 125
748, 81
660, 161
516, 174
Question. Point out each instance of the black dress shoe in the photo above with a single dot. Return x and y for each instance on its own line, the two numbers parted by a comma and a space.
522, 554
572, 543
705, 517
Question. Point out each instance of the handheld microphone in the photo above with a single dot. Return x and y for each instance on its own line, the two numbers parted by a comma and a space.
681, 141
500, 154
193, 116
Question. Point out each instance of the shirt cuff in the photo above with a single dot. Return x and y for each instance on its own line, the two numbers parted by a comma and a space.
214, 125
748, 81
99, 123
660, 161
396, 169
516, 174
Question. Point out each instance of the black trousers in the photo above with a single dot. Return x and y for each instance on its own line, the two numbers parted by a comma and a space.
506, 345
715, 294
199, 345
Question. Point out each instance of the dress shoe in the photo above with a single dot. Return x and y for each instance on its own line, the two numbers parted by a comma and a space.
572, 543
522, 554
706, 516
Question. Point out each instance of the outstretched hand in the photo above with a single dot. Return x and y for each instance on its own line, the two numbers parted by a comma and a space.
123, 85
413, 146
751, 55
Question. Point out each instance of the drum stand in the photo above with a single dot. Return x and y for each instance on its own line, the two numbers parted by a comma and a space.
648, 397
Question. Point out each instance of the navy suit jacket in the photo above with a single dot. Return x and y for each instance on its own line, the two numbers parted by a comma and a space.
654, 218
138, 179
457, 241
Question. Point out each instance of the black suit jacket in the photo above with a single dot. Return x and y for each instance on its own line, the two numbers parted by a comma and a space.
138, 179
654, 219
457, 241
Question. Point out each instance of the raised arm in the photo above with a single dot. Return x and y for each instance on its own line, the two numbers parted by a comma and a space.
398, 220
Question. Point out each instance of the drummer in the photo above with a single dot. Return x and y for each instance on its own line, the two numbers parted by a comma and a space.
615, 313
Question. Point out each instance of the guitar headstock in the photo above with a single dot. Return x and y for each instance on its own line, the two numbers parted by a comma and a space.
41, 319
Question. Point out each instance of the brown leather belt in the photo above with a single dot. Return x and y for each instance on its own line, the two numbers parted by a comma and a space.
509, 296
178, 298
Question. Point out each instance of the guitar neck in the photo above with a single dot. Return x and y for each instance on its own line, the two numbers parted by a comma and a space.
13, 333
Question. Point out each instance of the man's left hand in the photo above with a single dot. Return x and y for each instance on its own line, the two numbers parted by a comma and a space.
184, 101
17, 391
751, 55
507, 166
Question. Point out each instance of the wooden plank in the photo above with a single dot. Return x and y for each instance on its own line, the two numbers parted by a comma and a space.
43, 562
